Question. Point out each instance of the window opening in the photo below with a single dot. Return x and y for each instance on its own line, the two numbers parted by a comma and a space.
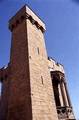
56, 91
38, 50
42, 80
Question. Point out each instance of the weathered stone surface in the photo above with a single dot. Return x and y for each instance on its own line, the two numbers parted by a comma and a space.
43, 104
29, 92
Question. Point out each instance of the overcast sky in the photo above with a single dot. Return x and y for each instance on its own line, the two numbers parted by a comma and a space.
62, 36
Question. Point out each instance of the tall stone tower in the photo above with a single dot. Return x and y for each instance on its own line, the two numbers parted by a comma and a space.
28, 85
33, 86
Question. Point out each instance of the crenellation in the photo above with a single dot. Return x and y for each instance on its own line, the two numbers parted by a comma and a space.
22, 15
55, 66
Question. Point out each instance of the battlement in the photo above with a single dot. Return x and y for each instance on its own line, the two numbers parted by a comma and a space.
23, 14
55, 66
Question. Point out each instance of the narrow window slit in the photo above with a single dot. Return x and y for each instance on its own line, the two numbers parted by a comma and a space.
42, 80
38, 50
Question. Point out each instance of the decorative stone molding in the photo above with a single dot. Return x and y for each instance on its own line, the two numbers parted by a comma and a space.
58, 76
13, 23
64, 112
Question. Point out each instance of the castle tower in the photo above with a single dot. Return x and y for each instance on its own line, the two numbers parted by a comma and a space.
30, 94
33, 86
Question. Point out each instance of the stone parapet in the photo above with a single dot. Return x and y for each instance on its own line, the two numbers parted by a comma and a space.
55, 66
23, 14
